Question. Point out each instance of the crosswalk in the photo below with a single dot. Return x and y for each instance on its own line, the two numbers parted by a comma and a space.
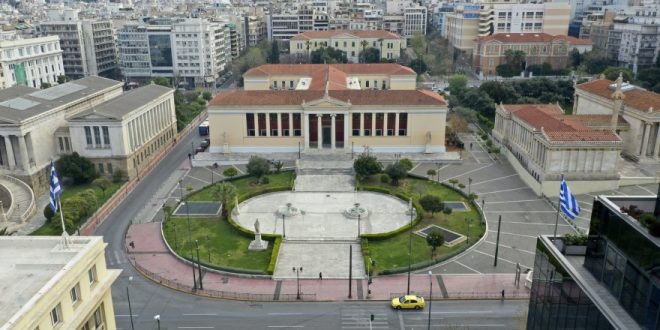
113, 257
359, 317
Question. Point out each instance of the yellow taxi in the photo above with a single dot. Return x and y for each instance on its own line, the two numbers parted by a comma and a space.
408, 302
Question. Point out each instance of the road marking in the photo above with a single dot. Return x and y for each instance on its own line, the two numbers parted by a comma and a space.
500, 178
286, 326
462, 312
507, 233
520, 201
125, 315
198, 179
650, 192
509, 261
196, 327
477, 325
468, 267
512, 248
532, 223
117, 256
281, 314
499, 191
401, 320
468, 172
238, 169
521, 212
207, 314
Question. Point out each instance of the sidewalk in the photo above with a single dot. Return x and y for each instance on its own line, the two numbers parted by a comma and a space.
153, 259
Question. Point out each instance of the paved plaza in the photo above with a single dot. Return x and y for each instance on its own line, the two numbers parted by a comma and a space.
322, 214
327, 258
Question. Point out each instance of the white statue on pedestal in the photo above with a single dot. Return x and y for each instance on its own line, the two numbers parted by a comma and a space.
258, 244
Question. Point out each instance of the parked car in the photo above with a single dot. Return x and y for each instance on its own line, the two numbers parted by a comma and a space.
408, 302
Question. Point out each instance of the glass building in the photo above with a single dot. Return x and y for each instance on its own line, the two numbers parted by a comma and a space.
613, 285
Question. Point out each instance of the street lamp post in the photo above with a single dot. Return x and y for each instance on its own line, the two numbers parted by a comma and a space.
430, 296
208, 246
176, 242
157, 318
189, 234
199, 266
438, 172
283, 226
358, 226
298, 270
469, 185
128, 297
192, 148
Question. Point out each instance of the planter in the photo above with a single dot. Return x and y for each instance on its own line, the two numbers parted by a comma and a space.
575, 250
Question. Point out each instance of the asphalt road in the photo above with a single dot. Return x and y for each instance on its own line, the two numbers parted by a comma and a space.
185, 311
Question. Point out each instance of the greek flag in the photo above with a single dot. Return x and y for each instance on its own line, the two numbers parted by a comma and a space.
55, 189
567, 201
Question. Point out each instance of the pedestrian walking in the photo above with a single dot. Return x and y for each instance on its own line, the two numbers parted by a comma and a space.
470, 145
502, 294
321, 276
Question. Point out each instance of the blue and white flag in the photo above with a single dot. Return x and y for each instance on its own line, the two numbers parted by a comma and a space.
567, 202
55, 188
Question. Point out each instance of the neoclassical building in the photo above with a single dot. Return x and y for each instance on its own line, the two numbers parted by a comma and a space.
639, 107
542, 143
318, 107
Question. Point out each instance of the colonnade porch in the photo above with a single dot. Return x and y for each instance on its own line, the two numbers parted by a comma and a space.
16, 152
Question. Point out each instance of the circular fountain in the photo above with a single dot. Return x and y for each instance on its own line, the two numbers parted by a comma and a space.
356, 211
287, 210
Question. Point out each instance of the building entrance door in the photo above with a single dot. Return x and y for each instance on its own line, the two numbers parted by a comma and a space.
326, 137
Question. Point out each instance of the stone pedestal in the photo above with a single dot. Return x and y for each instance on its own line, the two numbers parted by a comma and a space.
258, 244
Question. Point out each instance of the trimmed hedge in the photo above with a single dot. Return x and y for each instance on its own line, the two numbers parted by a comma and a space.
273, 256
245, 232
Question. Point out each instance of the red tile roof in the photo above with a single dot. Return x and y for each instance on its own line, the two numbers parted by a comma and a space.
311, 69
382, 34
356, 97
637, 98
556, 126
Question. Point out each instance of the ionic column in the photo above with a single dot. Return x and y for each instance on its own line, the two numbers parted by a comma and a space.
290, 124
645, 140
656, 147
346, 116
25, 161
279, 125
373, 124
385, 115
333, 136
319, 133
396, 124
361, 124
267, 124
11, 160
305, 129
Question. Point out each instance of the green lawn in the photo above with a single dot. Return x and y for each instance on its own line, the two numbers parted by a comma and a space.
393, 252
54, 226
247, 185
227, 246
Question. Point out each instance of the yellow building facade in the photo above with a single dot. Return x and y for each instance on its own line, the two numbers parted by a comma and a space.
47, 284
352, 42
328, 108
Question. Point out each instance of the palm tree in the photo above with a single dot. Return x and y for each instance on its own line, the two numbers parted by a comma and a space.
225, 192
364, 44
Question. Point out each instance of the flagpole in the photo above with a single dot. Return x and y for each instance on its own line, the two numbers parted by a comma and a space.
558, 205
59, 204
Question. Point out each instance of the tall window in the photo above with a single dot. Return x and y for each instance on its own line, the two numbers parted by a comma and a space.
356, 124
88, 136
75, 293
56, 315
91, 274
106, 136
97, 136
249, 120
99, 317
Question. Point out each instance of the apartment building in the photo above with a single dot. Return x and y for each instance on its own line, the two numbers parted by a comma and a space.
350, 41
282, 27
88, 46
414, 21
30, 62
633, 40
190, 52
255, 30
49, 284
550, 17
125, 132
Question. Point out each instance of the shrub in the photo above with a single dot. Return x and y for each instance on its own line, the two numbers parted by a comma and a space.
407, 163
118, 176
434, 239
489, 143
273, 256
258, 167
575, 239
367, 165
647, 219
230, 172
432, 203
102, 183
48, 213
396, 171
431, 173
78, 168
461, 185
265, 180
384, 178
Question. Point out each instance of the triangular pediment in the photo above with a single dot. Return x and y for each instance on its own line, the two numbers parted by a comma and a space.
326, 102
92, 116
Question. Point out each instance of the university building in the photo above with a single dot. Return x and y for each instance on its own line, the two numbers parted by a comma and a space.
318, 107
351, 42
640, 109
49, 285
542, 144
